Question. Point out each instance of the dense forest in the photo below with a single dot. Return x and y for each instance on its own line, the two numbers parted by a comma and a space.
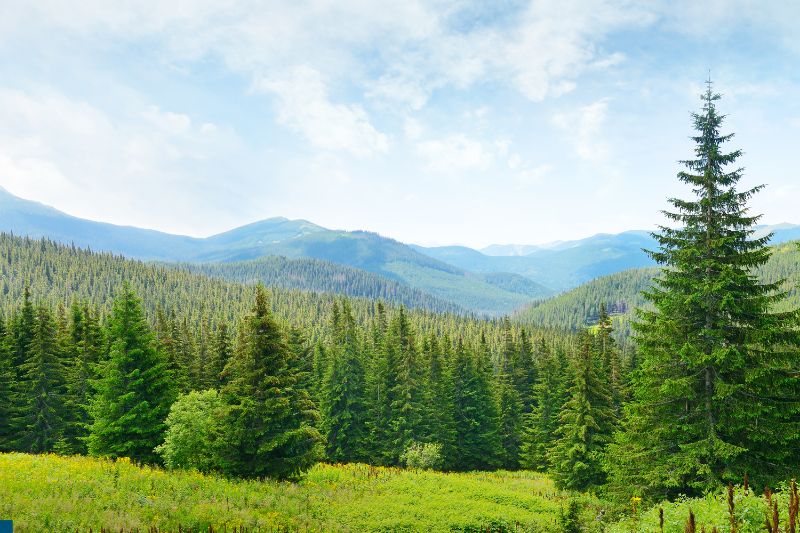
623, 292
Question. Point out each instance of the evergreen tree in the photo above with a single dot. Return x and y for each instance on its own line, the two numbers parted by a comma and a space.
134, 389
541, 423
344, 406
608, 354
271, 422
42, 383
406, 423
586, 424
85, 342
716, 394
221, 349
440, 426
474, 411
6, 389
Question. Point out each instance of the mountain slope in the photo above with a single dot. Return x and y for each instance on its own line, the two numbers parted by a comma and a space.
293, 239
567, 264
621, 293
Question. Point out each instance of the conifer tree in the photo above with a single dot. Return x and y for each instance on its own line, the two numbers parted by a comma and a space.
440, 426
540, 425
85, 344
474, 411
608, 354
41, 419
344, 409
271, 423
406, 423
6, 389
134, 389
510, 408
586, 423
221, 349
717, 391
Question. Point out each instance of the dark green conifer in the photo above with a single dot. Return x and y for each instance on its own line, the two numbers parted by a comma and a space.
134, 388
586, 423
270, 429
717, 392
344, 409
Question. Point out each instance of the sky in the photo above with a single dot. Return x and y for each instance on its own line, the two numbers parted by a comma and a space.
432, 122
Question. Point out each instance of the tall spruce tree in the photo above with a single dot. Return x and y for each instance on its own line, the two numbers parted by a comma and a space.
6, 389
270, 428
586, 423
344, 409
406, 423
717, 392
440, 426
42, 382
475, 413
134, 389
85, 344
539, 432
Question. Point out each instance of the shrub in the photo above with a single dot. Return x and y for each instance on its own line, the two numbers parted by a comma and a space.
427, 456
193, 428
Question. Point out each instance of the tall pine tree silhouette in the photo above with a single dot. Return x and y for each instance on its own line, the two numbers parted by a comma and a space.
134, 390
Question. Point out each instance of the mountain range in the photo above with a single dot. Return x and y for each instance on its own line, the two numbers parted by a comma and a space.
496, 280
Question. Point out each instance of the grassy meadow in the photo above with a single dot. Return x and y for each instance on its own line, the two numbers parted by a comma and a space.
52, 493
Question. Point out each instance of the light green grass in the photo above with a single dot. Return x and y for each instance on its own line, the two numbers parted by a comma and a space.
51, 493
710, 511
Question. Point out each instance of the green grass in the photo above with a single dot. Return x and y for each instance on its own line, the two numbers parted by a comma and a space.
51, 493
710, 511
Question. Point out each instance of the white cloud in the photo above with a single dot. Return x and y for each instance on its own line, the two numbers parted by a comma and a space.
304, 106
455, 153
583, 128
71, 154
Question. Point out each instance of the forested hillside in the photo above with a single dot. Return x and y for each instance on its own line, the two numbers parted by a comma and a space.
622, 293
320, 276
399, 265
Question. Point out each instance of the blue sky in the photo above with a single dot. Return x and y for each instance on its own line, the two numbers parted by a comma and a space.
431, 122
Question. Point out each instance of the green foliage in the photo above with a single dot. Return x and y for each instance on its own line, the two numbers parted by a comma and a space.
475, 411
83, 493
194, 427
270, 429
343, 403
134, 389
41, 389
427, 456
569, 518
714, 396
586, 423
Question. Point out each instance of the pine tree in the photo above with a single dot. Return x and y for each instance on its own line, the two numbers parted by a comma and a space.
6, 389
85, 341
344, 406
715, 395
586, 423
134, 390
406, 423
510, 408
221, 349
440, 426
474, 411
42, 384
540, 425
608, 354
271, 424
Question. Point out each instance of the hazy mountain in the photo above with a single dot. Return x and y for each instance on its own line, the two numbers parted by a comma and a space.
294, 239
621, 292
566, 264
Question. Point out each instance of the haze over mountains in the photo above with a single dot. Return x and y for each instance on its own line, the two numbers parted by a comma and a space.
497, 280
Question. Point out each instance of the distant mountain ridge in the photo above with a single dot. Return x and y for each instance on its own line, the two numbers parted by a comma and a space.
496, 280
490, 293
